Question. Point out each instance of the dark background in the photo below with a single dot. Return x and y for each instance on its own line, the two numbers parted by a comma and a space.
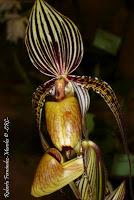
19, 79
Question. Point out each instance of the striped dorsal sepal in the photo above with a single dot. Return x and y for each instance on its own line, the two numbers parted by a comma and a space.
53, 41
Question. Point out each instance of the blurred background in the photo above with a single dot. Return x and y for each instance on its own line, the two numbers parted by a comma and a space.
107, 28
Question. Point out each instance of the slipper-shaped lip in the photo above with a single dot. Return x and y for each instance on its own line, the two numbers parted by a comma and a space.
52, 173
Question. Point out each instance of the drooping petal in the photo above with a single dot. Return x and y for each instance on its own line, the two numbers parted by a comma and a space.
106, 92
38, 102
53, 41
92, 183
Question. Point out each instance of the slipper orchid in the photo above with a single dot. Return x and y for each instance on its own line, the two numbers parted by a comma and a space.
55, 48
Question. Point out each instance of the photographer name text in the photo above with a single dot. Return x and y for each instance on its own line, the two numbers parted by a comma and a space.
6, 188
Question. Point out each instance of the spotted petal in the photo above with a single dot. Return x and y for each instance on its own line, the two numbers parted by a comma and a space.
38, 102
106, 92
53, 41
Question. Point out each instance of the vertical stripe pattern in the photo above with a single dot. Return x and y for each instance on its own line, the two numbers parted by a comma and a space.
92, 184
106, 92
83, 97
53, 41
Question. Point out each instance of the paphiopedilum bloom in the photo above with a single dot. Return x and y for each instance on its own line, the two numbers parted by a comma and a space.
55, 48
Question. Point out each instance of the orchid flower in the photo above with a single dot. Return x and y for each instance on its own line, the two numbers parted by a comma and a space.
55, 48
